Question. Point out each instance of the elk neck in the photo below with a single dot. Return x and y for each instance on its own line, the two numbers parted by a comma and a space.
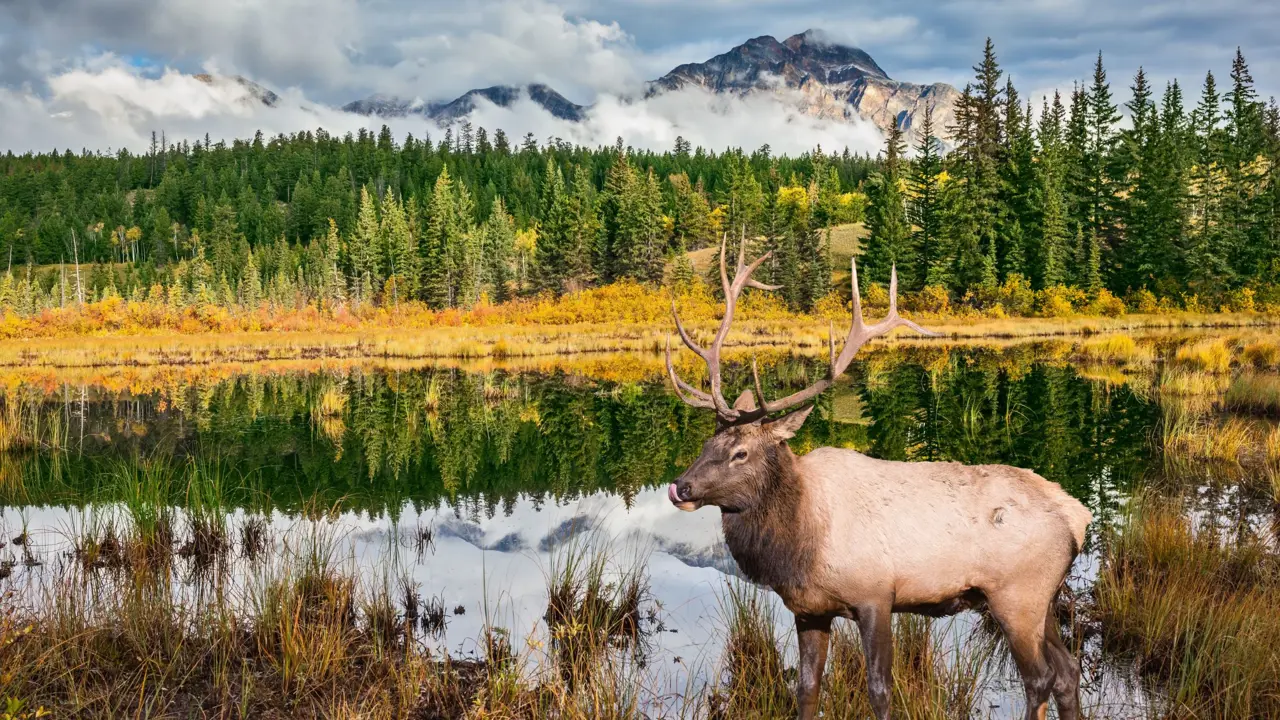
774, 535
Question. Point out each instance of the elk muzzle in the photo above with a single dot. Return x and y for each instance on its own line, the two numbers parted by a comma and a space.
680, 493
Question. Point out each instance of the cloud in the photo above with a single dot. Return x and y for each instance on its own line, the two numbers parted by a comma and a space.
109, 104
335, 51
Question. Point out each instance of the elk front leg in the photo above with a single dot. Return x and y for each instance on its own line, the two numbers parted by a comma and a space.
876, 625
814, 633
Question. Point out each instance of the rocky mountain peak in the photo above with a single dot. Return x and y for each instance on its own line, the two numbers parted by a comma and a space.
255, 91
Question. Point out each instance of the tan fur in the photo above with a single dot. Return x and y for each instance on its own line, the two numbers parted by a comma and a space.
923, 533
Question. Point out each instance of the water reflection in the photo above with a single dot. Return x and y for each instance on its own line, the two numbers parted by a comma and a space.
507, 469
374, 440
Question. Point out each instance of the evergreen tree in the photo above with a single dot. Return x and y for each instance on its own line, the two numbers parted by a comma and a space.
250, 283
924, 211
1206, 255
442, 231
889, 234
365, 245
499, 249
1052, 250
399, 251
1101, 201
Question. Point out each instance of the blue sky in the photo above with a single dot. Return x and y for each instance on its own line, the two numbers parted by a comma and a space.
337, 50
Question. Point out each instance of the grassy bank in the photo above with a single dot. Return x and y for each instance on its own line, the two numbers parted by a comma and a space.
1194, 607
167, 614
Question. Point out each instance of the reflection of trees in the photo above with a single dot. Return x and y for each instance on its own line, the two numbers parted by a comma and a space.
1090, 439
375, 440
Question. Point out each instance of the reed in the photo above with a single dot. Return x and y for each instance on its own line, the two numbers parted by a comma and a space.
1256, 393
1195, 608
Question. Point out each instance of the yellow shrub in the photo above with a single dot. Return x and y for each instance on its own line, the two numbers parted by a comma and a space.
1107, 304
1145, 302
930, 299
875, 296
1056, 301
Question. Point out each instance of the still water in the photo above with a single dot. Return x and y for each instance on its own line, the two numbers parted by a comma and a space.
504, 470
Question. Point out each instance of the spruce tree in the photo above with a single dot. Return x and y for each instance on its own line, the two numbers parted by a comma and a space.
924, 209
250, 283
888, 233
555, 232
441, 233
1101, 202
365, 245
1052, 251
1207, 265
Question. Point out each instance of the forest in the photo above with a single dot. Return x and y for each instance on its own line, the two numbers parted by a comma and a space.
1015, 209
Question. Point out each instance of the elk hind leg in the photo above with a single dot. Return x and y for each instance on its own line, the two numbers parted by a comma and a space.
1066, 671
1023, 623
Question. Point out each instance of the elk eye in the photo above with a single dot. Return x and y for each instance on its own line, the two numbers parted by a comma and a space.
740, 455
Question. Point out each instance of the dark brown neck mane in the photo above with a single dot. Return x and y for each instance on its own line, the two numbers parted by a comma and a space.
772, 538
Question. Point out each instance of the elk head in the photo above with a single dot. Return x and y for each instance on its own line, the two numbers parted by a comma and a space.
746, 452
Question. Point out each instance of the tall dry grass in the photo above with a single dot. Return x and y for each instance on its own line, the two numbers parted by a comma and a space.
1195, 608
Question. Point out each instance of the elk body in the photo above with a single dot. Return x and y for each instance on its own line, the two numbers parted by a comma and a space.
838, 534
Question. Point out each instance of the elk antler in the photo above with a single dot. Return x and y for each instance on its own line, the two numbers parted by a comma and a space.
711, 356
859, 334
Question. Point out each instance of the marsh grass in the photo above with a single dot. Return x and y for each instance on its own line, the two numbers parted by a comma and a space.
1191, 435
1117, 348
1211, 355
1255, 392
940, 669
1195, 609
596, 603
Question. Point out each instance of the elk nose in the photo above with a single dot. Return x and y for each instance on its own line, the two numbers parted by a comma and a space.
678, 493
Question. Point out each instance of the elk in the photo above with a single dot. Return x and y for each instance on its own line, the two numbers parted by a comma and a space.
838, 534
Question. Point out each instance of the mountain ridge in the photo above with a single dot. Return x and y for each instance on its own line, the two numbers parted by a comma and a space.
824, 78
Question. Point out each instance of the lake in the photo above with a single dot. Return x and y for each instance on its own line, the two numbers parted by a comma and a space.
475, 486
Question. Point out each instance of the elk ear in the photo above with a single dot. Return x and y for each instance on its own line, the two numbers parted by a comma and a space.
785, 427
745, 401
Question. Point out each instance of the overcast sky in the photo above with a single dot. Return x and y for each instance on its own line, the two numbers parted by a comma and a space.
333, 51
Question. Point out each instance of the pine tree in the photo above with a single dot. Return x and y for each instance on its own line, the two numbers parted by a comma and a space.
618, 188
438, 240
924, 210
399, 251
1052, 251
1136, 160
1206, 256
1244, 233
556, 240
499, 249
1101, 201
889, 234
365, 245
1016, 199
250, 283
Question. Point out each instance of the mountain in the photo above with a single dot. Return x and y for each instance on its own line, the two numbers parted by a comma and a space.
255, 91
448, 112
833, 81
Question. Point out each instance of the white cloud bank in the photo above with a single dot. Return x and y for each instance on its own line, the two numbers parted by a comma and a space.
108, 105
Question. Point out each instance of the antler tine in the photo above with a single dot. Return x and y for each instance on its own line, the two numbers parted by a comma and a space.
762, 405
688, 341
859, 334
686, 392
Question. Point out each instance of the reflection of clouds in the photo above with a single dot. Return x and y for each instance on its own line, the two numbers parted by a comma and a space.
497, 567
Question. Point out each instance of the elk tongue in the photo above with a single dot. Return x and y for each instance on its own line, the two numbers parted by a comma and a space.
673, 494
